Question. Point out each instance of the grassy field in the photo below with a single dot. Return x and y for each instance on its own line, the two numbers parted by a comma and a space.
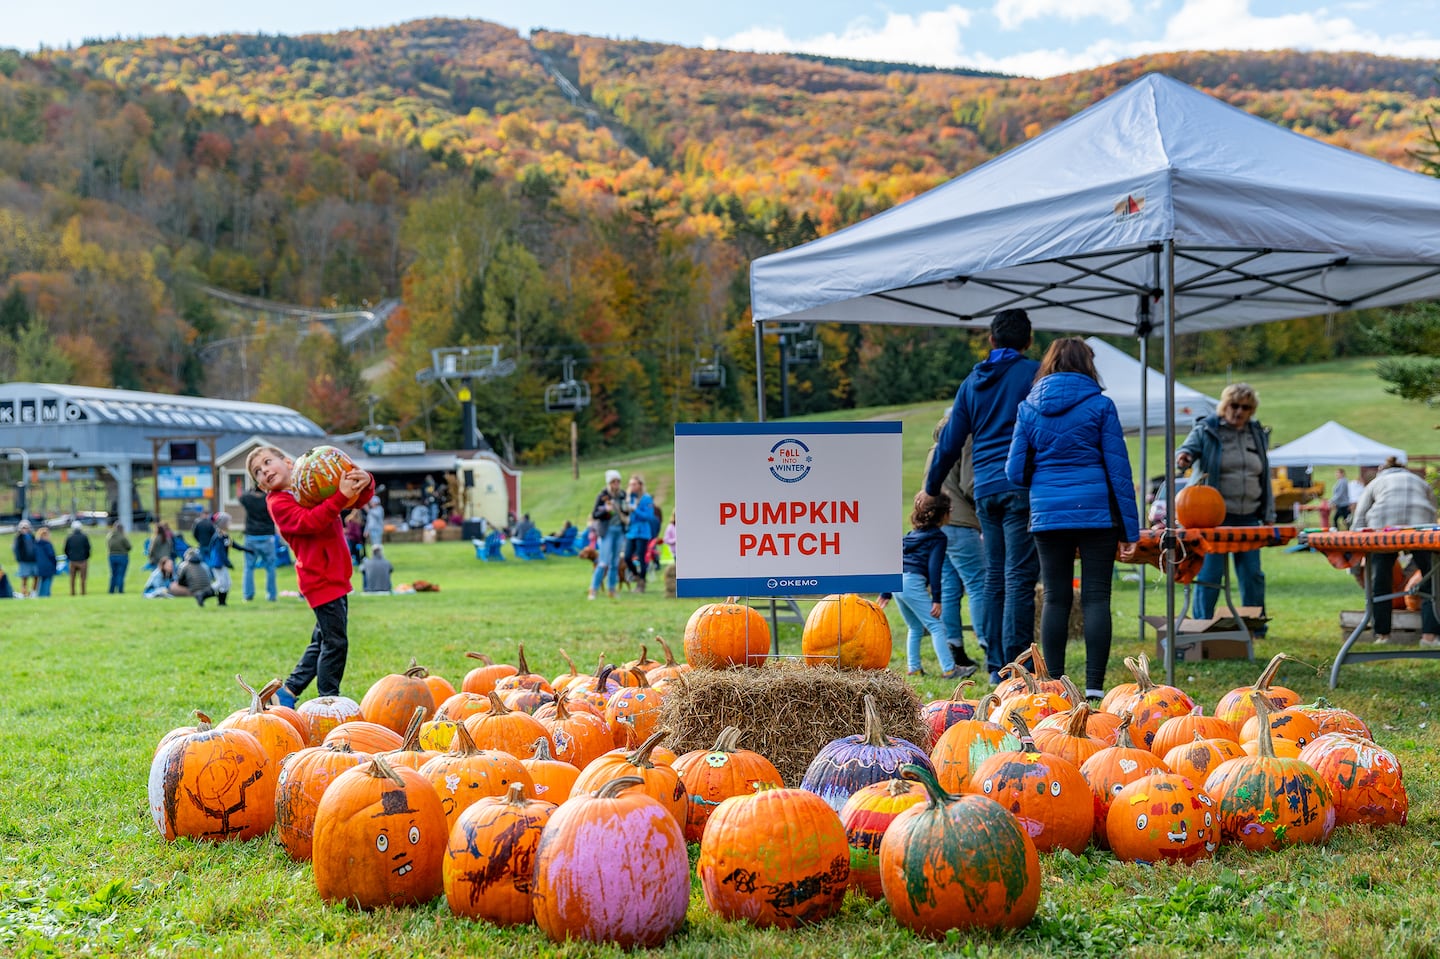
92, 684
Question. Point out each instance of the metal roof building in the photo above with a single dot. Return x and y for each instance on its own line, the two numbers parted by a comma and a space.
82, 426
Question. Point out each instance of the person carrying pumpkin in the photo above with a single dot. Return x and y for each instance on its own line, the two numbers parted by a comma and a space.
322, 564
1229, 450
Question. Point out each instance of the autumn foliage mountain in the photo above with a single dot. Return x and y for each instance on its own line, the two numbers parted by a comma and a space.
558, 195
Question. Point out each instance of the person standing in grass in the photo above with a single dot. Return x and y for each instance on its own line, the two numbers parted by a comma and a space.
24, 549
639, 532
322, 564
217, 557
923, 562
260, 544
1397, 498
77, 556
608, 518
117, 546
46, 563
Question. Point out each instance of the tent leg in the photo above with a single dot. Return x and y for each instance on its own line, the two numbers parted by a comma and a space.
1144, 442
1167, 552
759, 371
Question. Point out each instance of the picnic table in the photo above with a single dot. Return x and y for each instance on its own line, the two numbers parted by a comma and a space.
1346, 549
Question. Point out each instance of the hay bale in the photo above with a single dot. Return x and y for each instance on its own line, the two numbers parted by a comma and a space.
786, 711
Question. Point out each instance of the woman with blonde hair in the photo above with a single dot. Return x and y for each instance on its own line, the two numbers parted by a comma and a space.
1229, 450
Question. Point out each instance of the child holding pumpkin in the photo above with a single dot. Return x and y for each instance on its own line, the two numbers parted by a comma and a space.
923, 552
322, 564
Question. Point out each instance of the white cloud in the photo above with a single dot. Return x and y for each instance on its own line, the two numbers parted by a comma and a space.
932, 38
1229, 25
1013, 13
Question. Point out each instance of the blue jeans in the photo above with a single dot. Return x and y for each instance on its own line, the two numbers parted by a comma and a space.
1247, 571
119, 562
915, 602
260, 553
610, 547
44, 589
1011, 571
964, 572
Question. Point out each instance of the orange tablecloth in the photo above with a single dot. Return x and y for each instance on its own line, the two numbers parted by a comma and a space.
1347, 548
1193, 545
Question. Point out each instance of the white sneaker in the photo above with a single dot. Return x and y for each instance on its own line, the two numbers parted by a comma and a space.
1430, 642
1382, 640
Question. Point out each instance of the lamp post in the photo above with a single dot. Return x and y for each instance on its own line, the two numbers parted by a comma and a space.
10, 454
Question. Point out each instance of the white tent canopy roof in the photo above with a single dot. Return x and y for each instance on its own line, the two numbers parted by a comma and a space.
1266, 225
1333, 445
1120, 375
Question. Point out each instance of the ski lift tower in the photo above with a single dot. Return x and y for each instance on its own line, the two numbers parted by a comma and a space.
465, 364
799, 339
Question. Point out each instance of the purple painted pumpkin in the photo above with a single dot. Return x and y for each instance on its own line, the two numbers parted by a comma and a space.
851, 763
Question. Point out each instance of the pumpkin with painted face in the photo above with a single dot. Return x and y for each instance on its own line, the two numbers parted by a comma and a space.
1163, 817
380, 838
316, 474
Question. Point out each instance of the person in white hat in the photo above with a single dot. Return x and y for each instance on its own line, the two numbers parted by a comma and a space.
26, 556
609, 518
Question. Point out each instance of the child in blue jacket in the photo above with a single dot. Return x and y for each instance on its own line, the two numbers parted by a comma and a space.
919, 599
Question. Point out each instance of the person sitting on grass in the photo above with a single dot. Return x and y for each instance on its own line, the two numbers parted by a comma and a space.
375, 571
158, 585
192, 577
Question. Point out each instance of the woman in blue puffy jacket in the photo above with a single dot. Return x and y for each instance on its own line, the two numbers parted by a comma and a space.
1069, 449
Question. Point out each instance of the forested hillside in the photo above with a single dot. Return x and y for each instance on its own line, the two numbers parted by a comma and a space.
558, 195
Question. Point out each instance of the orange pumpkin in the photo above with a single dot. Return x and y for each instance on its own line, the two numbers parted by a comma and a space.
304, 776
324, 713
365, 737
316, 475
1199, 506
660, 780
565, 679
490, 857
1267, 802
440, 688
643, 662
580, 736
212, 784
721, 635
958, 862
482, 678
633, 712
411, 752
393, 699
1364, 779
1071, 740
866, 815
1282, 748
1291, 723
711, 776
277, 735
940, 714
612, 868
463, 705
1046, 793
1198, 758
1032, 705
523, 678
553, 778
525, 700
1112, 769
775, 858
1152, 703
1330, 718
962, 747
507, 729
380, 838
669, 669
466, 774
846, 631
1040, 674
1183, 730
1236, 706
1163, 817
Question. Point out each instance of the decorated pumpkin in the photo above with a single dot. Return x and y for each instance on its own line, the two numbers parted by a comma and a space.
1364, 779
1152, 703
466, 774
489, 861
317, 473
721, 635
366, 737
713, 775
482, 678
1183, 730
324, 713
940, 714
958, 862
1163, 817
553, 778
1291, 723
277, 735
1198, 758
850, 763
380, 838
304, 777
580, 737
966, 744
1112, 769
612, 868
865, 816
1236, 706
846, 631
523, 678
778, 857
1046, 794
1330, 718
1070, 740
506, 729
658, 779
633, 711
212, 784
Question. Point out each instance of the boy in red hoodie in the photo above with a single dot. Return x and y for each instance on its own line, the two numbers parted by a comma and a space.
322, 564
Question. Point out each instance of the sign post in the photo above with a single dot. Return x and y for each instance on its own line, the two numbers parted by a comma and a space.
788, 509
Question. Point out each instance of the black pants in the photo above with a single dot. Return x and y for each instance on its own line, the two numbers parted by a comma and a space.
324, 659
635, 558
1382, 569
1057, 550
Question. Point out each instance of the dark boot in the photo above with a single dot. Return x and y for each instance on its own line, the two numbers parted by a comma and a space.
962, 658
203, 595
221, 597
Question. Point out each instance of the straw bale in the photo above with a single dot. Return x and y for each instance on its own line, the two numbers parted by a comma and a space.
786, 711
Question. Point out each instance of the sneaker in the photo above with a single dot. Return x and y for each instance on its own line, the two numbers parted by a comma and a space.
960, 672
1381, 640
915, 672
592, 595
1430, 642
285, 697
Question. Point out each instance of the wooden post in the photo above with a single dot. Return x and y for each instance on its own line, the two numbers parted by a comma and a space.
574, 449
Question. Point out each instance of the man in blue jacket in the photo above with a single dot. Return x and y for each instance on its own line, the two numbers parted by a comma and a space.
985, 408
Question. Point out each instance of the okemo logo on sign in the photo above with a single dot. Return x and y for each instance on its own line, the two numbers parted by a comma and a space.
777, 583
39, 412
789, 460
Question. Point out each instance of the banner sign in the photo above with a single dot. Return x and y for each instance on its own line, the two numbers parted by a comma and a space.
788, 509
184, 482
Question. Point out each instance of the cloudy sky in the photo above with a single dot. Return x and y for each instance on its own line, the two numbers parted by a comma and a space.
1030, 37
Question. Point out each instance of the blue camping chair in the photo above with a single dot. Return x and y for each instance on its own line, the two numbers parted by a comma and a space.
488, 548
532, 547
568, 547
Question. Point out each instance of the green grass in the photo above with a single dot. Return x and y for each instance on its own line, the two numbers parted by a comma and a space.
91, 685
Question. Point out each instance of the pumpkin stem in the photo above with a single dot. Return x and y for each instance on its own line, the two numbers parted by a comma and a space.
1079, 719
515, 795
1072, 692
669, 655
1022, 730
497, 705
380, 769
1262, 715
570, 662
874, 724
1142, 674
540, 751
562, 712
961, 689
482, 657
202, 721
925, 777
641, 756
728, 741
639, 674
520, 663
1122, 732
603, 676
615, 786
1037, 660
463, 744
987, 705
415, 670
412, 731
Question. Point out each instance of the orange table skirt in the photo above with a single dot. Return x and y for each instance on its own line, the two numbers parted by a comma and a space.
1193, 545
1346, 549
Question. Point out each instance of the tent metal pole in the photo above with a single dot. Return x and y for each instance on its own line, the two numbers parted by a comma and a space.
1144, 487
759, 371
1167, 546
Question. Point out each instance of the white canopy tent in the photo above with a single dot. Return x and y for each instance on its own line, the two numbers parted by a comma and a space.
1120, 374
1157, 206
1333, 445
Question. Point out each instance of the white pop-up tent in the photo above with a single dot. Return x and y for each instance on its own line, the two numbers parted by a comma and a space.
1120, 374
1333, 445
1158, 206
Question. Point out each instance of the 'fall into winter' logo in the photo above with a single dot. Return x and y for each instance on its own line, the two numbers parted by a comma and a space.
789, 461
1130, 206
